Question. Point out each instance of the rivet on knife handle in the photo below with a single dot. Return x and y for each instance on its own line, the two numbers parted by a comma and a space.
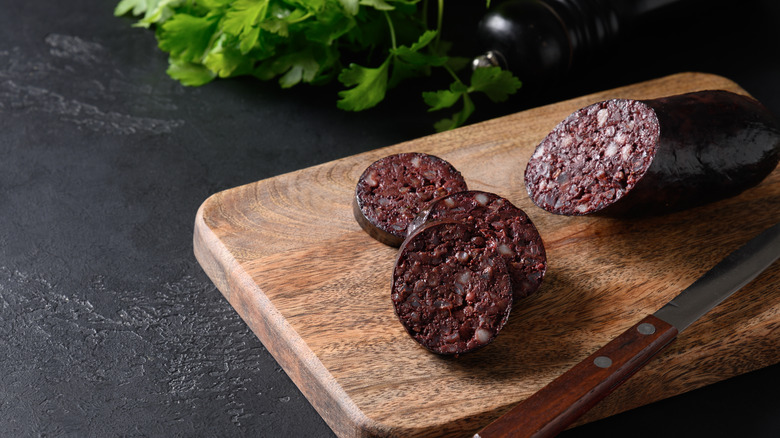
553, 408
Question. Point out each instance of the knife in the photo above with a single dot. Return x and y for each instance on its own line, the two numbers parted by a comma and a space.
554, 407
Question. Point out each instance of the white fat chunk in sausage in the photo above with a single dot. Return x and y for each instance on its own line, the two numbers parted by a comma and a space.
602, 116
482, 336
505, 249
539, 152
625, 152
612, 149
463, 277
429, 174
372, 180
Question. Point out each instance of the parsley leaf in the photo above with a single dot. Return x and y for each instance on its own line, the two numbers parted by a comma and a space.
411, 61
137, 7
370, 86
294, 68
459, 118
350, 6
496, 83
445, 98
241, 20
158, 11
379, 5
189, 73
187, 37
413, 54
224, 59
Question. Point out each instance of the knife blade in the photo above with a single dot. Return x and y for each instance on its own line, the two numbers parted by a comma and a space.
554, 407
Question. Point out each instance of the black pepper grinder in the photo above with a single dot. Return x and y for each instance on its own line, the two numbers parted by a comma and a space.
541, 41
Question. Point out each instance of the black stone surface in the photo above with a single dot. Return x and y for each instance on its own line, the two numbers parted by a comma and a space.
108, 326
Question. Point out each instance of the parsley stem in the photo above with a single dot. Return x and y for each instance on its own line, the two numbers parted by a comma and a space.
298, 20
392, 30
452, 73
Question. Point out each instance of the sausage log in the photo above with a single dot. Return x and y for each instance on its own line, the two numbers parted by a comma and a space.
626, 157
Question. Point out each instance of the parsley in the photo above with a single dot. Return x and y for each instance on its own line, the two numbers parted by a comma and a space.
315, 42
496, 83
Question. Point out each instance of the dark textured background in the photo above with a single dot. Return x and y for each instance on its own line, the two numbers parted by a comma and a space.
108, 326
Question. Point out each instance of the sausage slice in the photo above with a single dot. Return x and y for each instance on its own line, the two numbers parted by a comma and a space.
394, 189
451, 290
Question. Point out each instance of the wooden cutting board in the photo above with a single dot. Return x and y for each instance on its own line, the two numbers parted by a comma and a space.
288, 255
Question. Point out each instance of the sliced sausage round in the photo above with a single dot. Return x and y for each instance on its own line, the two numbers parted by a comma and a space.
392, 190
638, 157
509, 230
451, 290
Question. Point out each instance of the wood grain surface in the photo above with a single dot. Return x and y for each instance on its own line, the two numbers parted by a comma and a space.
290, 258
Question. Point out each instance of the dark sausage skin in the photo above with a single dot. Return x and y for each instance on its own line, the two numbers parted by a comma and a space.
626, 157
451, 290
509, 229
394, 189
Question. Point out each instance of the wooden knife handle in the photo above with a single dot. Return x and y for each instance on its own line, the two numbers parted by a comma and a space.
557, 405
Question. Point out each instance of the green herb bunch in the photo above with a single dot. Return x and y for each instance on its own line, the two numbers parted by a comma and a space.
315, 42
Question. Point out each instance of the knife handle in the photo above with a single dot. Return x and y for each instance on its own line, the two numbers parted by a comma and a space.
554, 407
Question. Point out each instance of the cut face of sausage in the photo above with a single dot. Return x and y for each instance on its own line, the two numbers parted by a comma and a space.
627, 157
394, 189
451, 291
593, 158
508, 229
